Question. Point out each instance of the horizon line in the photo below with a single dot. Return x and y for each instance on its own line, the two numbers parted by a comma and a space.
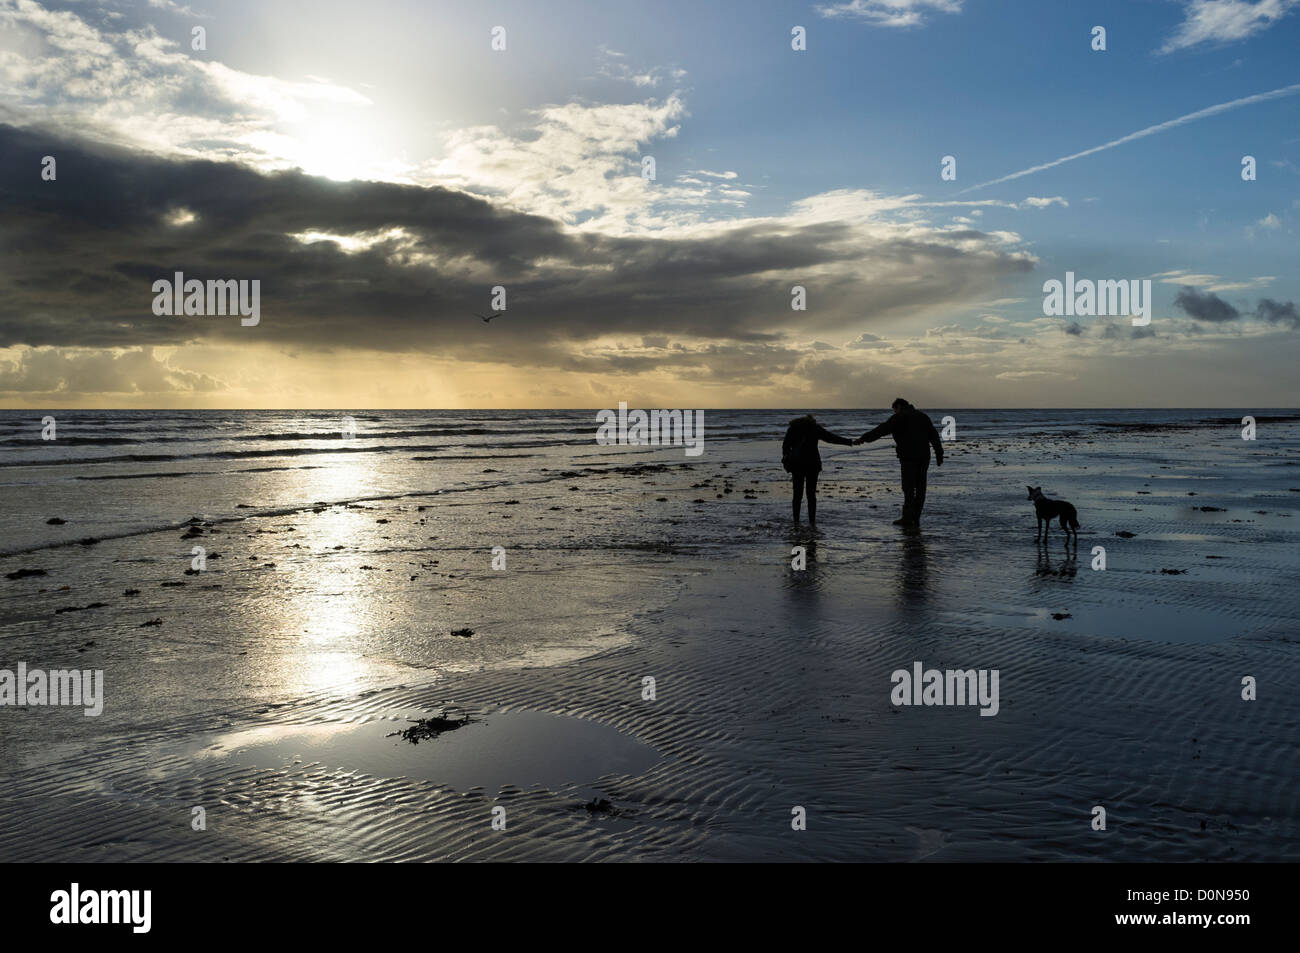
796, 409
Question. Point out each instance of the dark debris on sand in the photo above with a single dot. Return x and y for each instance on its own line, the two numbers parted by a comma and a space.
462, 633
426, 729
93, 605
603, 807
24, 573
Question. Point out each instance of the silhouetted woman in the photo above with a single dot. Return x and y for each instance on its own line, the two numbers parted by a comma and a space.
801, 460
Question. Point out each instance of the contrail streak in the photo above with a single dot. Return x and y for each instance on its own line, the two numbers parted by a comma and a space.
1142, 133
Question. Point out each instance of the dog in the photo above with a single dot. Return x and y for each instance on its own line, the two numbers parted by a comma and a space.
1047, 510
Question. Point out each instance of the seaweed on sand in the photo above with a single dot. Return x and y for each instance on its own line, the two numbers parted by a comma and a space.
604, 807
24, 573
426, 729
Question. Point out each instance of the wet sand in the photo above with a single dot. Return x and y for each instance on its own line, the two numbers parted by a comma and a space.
1119, 688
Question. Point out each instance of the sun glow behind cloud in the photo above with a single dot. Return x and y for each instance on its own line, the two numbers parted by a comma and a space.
372, 299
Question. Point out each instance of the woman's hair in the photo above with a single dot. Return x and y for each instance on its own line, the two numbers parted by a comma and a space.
806, 420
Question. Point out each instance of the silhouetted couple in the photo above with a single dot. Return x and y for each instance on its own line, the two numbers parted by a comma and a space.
913, 434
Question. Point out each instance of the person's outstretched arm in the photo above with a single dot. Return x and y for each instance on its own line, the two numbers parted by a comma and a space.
883, 430
824, 434
937, 443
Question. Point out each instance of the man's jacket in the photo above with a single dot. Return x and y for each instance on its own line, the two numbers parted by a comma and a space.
913, 434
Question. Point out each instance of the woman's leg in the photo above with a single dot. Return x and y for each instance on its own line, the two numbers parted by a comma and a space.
798, 493
812, 497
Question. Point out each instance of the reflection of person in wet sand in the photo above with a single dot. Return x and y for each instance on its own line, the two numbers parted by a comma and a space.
804, 569
913, 569
801, 459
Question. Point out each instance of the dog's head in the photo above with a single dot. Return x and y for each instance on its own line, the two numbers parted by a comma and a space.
1034, 492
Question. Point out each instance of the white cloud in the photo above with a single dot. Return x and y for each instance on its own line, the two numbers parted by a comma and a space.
180, 217
1223, 21
1026, 375
1214, 283
137, 88
895, 13
575, 163
1269, 222
71, 371
612, 65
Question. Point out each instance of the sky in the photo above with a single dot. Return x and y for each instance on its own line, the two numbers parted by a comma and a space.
380, 168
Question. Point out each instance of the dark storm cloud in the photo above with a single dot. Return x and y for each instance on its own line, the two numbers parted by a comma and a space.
82, 252
1206, 306
1111, 331
1275, 312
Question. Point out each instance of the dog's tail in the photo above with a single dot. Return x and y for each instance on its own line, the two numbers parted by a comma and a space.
1074, 523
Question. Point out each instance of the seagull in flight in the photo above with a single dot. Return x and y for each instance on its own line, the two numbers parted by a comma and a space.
485, 318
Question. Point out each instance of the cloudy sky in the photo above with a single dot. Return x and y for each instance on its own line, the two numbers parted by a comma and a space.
379, 168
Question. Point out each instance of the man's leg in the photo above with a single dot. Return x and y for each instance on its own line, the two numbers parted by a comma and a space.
812, 497
798, 493
918, 489
904, 479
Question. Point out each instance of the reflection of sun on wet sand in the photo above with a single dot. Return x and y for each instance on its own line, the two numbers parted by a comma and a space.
650, 677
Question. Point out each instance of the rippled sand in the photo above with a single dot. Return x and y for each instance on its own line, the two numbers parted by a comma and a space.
268, 693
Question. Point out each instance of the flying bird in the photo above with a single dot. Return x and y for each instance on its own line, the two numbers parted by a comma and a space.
488, 317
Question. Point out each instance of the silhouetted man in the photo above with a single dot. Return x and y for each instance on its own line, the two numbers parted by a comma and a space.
914, 435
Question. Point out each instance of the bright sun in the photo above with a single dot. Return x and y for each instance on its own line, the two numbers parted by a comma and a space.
338, 152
